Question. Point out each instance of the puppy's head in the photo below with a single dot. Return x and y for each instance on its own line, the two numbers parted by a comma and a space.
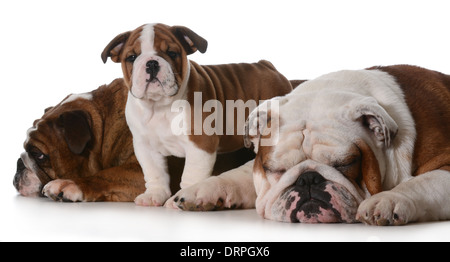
154, 58
329, 156
57, 146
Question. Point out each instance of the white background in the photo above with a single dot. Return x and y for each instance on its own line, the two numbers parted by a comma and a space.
50, 49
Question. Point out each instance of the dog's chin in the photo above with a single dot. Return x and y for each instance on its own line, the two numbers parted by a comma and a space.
155, 90
333, 204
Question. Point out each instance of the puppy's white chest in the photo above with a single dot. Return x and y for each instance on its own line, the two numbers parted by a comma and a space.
151, 127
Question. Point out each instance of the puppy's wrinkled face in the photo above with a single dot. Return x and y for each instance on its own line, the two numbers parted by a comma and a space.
154, 59
323, 165
55, 147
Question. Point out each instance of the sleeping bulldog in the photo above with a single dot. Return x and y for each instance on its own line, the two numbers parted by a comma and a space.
366, 145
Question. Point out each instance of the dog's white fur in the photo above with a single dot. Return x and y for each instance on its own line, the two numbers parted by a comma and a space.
149, 116
323, 112
318, 125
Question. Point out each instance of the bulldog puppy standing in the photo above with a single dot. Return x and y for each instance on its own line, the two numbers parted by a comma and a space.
158, 73
369, 145
82, 150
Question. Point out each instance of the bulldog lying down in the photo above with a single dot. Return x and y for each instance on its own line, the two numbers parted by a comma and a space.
82, 150
368, 145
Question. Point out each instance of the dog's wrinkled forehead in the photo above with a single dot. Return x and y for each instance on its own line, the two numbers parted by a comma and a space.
289, 150
151, 39
302, 142
140, 40
310, 130
147, 39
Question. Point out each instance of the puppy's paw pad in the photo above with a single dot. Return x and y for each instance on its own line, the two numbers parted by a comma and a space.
63, 190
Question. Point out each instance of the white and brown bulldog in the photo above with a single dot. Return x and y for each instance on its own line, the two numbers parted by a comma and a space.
82, 150
159, 75
370, 145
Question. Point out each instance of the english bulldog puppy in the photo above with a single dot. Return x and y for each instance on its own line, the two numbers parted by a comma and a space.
82, 150
159, 76
366, 145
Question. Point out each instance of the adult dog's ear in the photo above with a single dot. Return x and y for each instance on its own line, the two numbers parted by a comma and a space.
75, 129
370, 168
375, 118
48, 109
114, 48
256, 122
190, 40
262, 125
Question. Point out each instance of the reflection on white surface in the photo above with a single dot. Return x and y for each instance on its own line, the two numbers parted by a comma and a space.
40, 219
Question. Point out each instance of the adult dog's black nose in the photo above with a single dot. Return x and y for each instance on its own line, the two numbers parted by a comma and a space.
152, 68
19, 173
309, 178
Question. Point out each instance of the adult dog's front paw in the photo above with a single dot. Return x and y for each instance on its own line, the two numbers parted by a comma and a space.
63, 190
386, 208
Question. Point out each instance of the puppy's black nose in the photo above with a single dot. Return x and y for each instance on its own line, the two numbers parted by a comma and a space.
309, 178
152, 68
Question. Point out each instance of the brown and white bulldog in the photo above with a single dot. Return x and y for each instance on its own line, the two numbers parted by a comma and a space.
370, 145
160, 78
82, 150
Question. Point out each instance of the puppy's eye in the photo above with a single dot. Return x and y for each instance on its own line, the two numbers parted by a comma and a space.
131, 58
172, 54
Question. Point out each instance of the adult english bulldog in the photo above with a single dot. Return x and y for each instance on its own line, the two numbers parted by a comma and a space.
370, 145
82, 150
159, 76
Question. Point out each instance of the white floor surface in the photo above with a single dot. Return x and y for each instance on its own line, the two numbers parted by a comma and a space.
40, 219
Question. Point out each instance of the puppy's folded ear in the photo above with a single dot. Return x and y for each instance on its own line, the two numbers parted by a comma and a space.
190, 40
114, 48
375, 118
75, 129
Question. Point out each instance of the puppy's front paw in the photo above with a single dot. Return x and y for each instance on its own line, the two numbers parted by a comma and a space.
152, 197
210, 194
386, 208
63, 190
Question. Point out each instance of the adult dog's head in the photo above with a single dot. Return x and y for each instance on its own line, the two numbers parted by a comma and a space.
54, 148
65, 142
333, 144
